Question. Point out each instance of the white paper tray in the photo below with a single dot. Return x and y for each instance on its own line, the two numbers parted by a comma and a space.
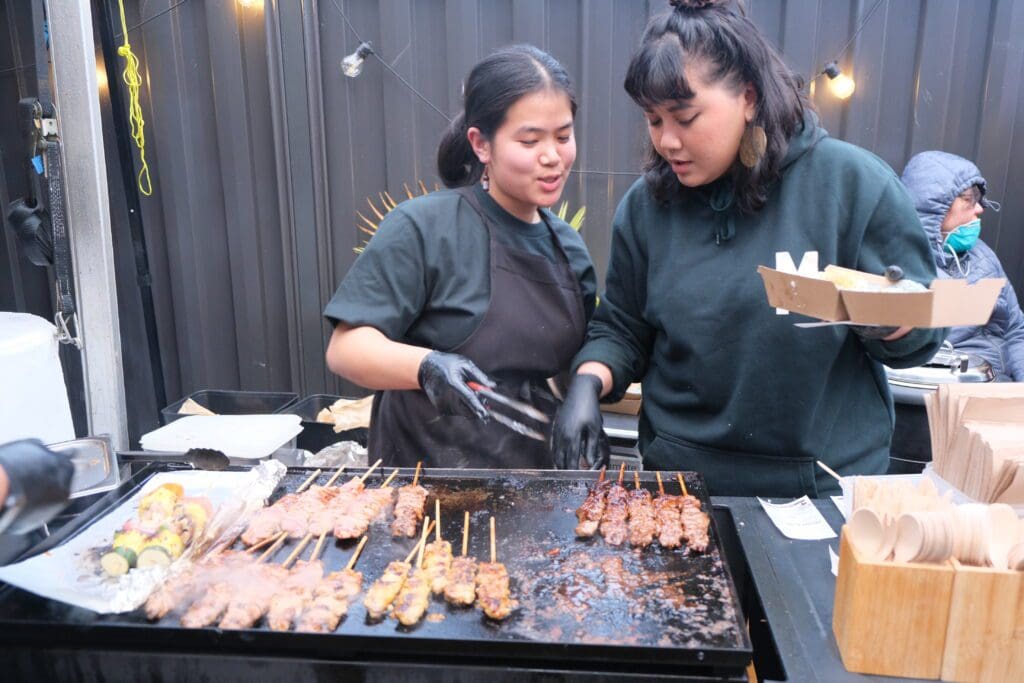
240, 437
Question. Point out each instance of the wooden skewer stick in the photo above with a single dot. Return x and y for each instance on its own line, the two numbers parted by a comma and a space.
423, 543
262, 544
273, 548
335, 477
661, 487
601, 478
428, 526
494, 555
636, 480
355, 555
416, 477
298, 549
465, 533
682, 484
308, 481
622, 471
829, 470
389, 479
372, 468
319, 545
437, 518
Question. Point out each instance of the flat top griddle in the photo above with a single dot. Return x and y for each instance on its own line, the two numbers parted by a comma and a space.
580, 599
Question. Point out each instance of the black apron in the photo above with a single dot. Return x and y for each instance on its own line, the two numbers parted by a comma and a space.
533, 327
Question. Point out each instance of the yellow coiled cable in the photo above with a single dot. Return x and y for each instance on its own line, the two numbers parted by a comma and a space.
134, 82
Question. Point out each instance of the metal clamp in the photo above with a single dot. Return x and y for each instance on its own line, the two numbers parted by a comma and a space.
64, 335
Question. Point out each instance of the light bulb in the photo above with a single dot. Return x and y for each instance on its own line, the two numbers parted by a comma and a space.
352, 65
251, 4
841, 85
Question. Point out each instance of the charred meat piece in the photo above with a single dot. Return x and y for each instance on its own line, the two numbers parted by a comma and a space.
589, 514
492, 590
437, 560
414, 598
614, 526
385, 589
695, 524
460, 584
330, 602
642, 522
408, 510
670, 523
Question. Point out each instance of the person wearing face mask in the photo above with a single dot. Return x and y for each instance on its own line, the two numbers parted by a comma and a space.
740, 174
479, 283
949, 195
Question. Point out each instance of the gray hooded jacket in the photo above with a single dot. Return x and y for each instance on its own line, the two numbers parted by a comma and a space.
934, 179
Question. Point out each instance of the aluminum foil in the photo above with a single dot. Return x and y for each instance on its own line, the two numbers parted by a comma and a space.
71, 573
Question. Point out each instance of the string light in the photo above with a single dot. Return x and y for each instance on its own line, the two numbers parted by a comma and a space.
841, 85
352, 65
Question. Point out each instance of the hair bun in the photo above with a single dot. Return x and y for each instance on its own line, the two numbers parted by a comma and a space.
695, 5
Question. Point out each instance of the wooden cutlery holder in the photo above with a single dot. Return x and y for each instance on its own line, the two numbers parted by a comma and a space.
931, 621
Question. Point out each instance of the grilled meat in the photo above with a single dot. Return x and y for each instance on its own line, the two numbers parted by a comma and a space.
695, 524
589, 514
670, 523
385, 589
408, 510
361, 511
492, 590
295, 592
414, 598
252, 596
460, 583
642, 522
324, 519
209, 608
330, 601
437, 559
614, 526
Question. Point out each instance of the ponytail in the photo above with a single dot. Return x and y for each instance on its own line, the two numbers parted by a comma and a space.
457, 164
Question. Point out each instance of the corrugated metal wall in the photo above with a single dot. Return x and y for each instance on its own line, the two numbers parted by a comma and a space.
262, 151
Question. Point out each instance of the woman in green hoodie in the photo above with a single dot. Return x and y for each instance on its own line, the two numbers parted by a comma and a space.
740, 174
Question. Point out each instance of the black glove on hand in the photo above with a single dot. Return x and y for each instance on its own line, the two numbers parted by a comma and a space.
578, 440
39, 482
443, 377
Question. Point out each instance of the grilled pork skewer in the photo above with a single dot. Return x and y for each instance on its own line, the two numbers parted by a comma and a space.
437, 556
182, 588
363, 509
409, 508
460, 582
492, 586
642, 522
252, 597
347, 500
589, 514
287, 603
669, 521
384, 590
414, 598
266, 523
332, 595
695, 521
614, 526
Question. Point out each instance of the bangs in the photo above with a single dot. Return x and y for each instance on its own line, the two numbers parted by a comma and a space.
655, 74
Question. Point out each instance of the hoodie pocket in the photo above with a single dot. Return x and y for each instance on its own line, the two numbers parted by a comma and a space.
734, 473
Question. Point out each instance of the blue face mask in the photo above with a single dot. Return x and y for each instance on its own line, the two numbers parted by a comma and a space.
963, 238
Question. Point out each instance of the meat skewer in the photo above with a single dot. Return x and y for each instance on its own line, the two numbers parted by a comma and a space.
492, 586
332, 595
255, 591
314, 499
266, 523
362, 509
384, 590
589, 514
460, 583
669, 521
614, 526
695, 521
409, 508
642, 522
437, 557
292, 594
414, 598
328, 516
182, 588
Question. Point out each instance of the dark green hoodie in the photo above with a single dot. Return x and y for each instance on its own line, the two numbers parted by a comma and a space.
731, 388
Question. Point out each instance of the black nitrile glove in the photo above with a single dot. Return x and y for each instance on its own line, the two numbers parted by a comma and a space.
443, 377
578, 440
892, 274
39, 482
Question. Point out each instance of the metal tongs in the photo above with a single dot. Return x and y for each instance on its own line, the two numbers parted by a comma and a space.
524, 409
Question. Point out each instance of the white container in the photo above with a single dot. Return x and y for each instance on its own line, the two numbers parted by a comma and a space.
240, 437
33, 396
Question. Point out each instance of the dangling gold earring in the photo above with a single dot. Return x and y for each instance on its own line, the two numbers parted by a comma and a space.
485, 180
753, 145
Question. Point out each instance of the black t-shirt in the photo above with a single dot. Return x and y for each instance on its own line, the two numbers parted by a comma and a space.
424, 277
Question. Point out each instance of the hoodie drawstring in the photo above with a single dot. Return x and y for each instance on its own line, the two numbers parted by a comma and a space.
956, 259
721, 201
